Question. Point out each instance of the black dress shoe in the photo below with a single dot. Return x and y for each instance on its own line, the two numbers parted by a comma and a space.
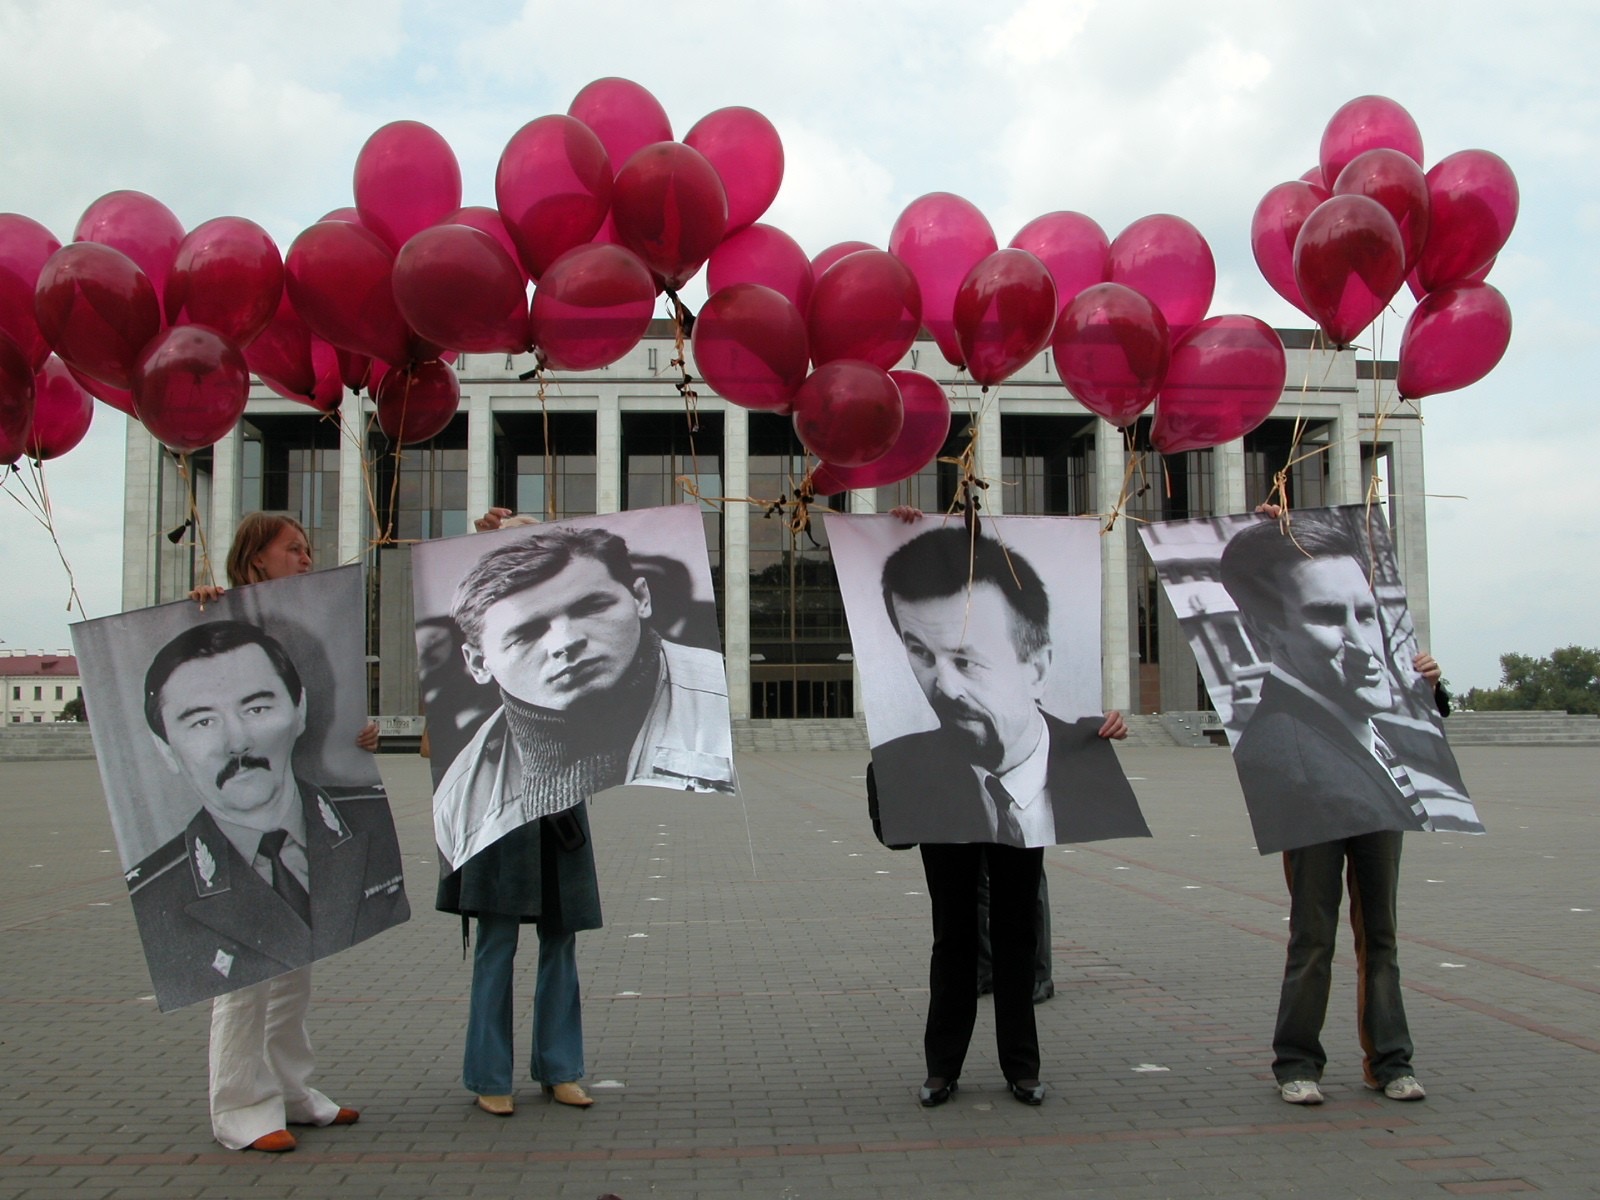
936, 1091
1029, 1091
1043, 990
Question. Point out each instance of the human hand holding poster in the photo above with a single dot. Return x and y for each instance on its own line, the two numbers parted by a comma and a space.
980, 664
254, 835
1307, 649
563, 659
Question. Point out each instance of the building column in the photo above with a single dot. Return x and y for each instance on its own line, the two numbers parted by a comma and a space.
1345, 485
1227, 473
141, 499
480, 453
1408, 519
988, 456
224, 517
608, 454
352, 479
1117, 653
736, 557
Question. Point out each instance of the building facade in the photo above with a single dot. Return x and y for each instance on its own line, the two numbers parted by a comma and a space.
624, 437
34, 688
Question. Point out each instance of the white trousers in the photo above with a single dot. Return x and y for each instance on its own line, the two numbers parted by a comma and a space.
261, 1059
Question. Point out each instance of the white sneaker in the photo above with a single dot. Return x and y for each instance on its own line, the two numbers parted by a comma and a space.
1302, 1091
1404, 1088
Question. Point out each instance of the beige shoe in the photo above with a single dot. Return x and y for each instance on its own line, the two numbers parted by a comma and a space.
498, 1106
569, 1093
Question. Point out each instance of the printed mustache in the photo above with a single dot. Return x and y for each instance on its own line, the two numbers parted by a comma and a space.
241, 762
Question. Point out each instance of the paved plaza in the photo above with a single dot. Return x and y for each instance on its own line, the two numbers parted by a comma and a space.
754, 1006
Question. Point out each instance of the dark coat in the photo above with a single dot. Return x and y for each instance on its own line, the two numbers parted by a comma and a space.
211, 925
927, 791
535, 872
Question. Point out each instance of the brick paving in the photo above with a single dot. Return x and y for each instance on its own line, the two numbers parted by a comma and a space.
753, 1013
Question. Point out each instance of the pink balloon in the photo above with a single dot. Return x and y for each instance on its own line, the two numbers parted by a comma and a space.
747, 153
766, 255
553, 186
848, 412
1225, 376
281, 354
337, 276
118, 398
97, 310
458, 288
1073, 247
190, 386
140, 226
941, 237
865, 306
62, 411
1273, 229
1166, 260
1366, 123
624, 116
670, 210
1473, 198
1314, 177
1004, 314
750, 346
1397, 183
1349, 262
591, 307
416, 403
1478, 276
1454, 338
922, 435
348, 214
406, 179
16, 401
25, 246
1112, 349
834, 253
228, 274
488, 220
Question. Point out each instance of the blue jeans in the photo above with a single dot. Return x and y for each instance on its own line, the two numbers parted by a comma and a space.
557, 1014
1317, 877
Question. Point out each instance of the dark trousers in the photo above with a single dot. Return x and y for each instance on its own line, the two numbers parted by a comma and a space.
952, 874
1317, 877
1041, 932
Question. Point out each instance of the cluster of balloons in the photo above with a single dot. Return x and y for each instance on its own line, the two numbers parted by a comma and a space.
1340, 242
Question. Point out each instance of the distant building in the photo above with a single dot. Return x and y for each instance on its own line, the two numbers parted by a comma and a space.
36, 687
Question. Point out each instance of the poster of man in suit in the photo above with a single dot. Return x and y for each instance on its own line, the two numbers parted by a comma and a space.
255, 837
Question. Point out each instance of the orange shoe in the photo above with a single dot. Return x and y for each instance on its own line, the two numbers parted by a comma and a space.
277, 1142
346, 1116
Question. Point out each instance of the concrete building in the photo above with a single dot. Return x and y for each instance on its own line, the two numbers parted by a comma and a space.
34, 688
620, 438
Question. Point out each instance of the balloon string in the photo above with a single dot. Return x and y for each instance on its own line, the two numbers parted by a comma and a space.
194, 522
387, 538
41, 511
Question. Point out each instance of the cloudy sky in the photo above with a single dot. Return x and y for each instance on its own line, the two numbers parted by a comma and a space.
1115, 109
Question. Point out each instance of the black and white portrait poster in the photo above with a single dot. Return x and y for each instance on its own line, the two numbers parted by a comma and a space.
980, 665
255, 836
561, 659
1307, 648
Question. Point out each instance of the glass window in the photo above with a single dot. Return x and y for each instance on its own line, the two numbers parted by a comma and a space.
932, 489
291, 465
1048, 465
549, 478
659, 451
1269, 448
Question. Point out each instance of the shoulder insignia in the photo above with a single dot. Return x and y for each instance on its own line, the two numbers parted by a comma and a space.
222, 964
205, 864
329, 817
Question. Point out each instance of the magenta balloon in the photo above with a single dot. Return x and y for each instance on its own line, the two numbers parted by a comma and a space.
140, 226
866, 306
190, 386
1349, 261
118, 398
553, 186
314, 375
848, 412
1166, 260
1478, 276
922, 435
1366, 123
1454, 338
1073, 247
228, 274
1111, 348
1397, 183
16, 401
457, 287
624, 116
766, 255
750, 346
1225, 376
1473, 199
833, 254
348, 213
670, 210
1314, 177
25, 246
745, 149
591, 307
406, 179
97, 310
941, 237
488, 220
1273, 229
337, 276
1004, 314
416, 403
62, 411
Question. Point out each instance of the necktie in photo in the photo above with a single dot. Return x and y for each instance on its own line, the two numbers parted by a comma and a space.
1402, 779
283, 879
1003, 820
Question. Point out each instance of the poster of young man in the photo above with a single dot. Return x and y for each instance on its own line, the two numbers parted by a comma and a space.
586, 655
1306, 645
980, 665
255, 836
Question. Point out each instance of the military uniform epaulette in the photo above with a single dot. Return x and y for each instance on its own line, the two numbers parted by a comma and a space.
153, 867
368, 791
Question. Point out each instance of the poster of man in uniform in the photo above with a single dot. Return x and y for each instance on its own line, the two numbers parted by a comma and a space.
1306, 645
561, 659
255, 836
980, 664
